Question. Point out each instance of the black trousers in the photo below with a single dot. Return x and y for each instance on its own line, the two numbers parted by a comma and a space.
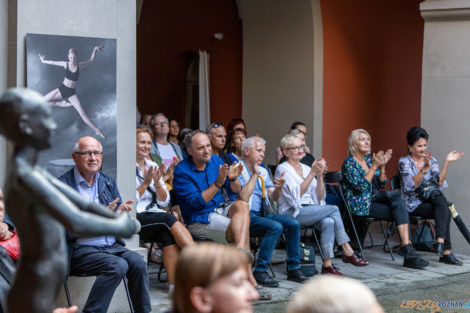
437, 209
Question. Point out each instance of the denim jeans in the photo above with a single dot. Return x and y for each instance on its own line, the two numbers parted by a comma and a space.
270, 229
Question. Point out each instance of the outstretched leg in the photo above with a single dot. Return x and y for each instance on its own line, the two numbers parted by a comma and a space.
54, 98
77, 105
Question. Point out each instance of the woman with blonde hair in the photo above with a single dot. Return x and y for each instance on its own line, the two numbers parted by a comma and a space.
303, 198
363, 178
213, 278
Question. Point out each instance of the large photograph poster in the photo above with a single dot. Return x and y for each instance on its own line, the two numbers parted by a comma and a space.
77, 77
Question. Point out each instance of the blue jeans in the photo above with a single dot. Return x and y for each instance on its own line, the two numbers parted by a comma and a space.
270, 229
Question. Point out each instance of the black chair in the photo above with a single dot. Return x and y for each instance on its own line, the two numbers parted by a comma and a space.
365, 220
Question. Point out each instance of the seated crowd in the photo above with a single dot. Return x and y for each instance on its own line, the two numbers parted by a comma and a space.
213, 186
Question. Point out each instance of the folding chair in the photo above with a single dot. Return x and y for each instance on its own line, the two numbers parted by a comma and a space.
367, 220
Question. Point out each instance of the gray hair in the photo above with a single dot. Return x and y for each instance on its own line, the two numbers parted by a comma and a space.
352, 140
295, 132
188, 139
152, 119
250, 143
76, 147
287, 140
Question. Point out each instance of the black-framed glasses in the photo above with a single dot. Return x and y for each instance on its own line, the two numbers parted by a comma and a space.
89, 153
297, 148
213, 125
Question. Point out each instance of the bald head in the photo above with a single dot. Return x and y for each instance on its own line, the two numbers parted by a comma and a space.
87, 155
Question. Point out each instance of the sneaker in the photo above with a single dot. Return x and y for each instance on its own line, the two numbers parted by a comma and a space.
264, 279
296, 276
407, 251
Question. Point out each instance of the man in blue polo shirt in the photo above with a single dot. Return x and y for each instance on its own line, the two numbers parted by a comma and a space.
198, 183
264, 223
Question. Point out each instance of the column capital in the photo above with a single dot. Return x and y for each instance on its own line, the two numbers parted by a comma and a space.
436, 10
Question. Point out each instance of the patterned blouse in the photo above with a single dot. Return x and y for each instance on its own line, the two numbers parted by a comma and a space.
408, 169
357, 189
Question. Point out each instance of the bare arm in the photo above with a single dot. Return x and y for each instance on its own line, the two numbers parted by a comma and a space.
315, 170
248, 188
276, 192
451, 157
210, 192
57, 63
92, 57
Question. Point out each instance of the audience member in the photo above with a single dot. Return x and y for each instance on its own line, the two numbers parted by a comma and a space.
199, 181
152, 197
301, 127
183, 134
174, 133
235, 144
303, 197
218, 138
7, 267
212, 278
145, 119
419, 171
168, 152
257, 187
363, 178
104, 257
329, 294
308, 157
234, 124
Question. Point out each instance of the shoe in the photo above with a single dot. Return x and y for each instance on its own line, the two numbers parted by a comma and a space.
263, 293
331, 270
415, 262
264, 279
296, 276
440, 249
407, 251
354, 260
450, 259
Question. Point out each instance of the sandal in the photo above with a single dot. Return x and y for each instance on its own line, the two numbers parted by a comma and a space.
156, 257
263, 293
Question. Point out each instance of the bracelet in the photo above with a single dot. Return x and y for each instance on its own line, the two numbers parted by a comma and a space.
215, 183
232, 180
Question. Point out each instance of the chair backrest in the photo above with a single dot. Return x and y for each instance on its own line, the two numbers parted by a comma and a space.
333, 177
395, 182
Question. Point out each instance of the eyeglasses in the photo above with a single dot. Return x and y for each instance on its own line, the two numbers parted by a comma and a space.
161, 124
89, 153
297, 148
214, 125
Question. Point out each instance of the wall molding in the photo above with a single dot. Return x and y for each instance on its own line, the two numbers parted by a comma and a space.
444, 10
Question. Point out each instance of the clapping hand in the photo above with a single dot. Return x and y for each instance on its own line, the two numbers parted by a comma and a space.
279, 181
454, 156
219, 182
235, 170
125, 206
387, 156
158, 173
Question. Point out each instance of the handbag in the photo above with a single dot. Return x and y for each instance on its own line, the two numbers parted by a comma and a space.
428, 189
307, 260
12, 246
425, 237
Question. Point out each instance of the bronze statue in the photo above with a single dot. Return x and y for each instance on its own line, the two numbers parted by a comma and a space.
39, 204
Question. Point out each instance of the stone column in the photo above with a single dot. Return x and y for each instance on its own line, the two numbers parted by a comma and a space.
445, 108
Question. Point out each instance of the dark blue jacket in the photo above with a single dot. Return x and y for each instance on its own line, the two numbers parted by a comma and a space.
107, 192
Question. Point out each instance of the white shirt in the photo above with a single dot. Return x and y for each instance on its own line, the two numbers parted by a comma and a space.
146, 198
291, 198
167, 153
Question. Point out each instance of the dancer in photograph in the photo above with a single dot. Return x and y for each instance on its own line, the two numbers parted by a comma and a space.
65, 95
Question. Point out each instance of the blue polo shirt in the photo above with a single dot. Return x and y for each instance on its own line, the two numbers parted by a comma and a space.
189, 183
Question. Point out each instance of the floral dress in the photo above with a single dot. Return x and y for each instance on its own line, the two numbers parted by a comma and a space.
357, 189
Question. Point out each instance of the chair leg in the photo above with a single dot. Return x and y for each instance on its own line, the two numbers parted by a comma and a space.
124, 281
271, 269
355, 234
314, 235
386, 239
67, 294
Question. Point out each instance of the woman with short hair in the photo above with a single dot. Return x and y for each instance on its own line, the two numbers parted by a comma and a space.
418, 171
303, 196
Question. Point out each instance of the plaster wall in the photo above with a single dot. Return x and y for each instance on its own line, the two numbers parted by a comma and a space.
445, 94
278, 70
